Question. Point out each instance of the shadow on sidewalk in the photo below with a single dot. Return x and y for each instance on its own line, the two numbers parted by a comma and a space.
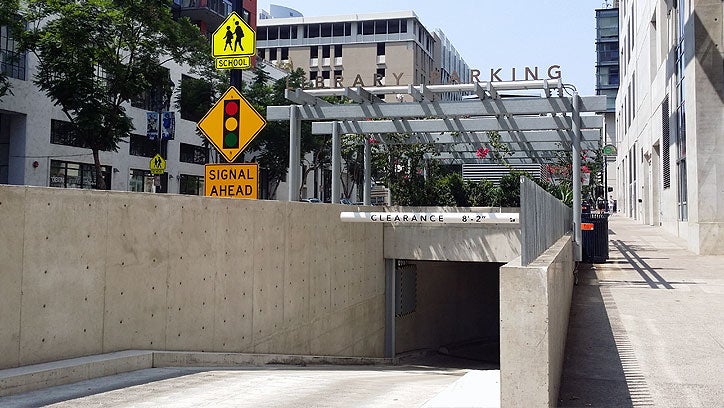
649, 274
593, 373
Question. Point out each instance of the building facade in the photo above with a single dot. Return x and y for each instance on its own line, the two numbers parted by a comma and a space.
607, 82
377, 49
34, 150
669, 118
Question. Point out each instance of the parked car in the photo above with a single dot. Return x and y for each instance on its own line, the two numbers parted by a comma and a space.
310, 200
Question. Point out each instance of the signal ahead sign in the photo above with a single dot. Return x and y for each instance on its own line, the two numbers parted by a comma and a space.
233, 43
235, 180
231, 124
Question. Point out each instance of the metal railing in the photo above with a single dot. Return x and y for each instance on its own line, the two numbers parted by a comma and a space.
544, 219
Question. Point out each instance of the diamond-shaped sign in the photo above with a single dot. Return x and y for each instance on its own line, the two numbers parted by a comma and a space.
233, 43
231, 124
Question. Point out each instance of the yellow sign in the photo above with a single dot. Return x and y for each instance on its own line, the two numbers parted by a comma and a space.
233, 43
231, 124
157, 164
235, 180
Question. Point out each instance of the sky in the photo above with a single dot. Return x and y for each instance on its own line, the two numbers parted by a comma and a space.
492, 34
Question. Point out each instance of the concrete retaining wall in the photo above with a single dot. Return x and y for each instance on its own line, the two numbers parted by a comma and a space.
88, 272
535, 301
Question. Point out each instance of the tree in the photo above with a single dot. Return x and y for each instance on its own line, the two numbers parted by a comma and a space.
8, 18
96, 55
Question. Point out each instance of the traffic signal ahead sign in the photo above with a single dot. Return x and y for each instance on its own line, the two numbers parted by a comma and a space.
231, 124
232, 180
233, 43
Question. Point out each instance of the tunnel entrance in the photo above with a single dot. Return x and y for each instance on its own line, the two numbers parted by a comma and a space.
447, 314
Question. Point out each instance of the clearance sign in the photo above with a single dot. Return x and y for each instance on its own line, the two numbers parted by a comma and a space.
234, 180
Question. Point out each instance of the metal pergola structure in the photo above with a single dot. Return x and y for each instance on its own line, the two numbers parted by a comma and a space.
534, 127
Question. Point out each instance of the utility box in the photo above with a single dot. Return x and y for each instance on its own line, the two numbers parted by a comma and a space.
595, 237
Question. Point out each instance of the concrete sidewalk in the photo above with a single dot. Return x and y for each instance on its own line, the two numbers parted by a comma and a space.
646, 327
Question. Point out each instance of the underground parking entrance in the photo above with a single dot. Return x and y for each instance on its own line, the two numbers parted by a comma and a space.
447, 314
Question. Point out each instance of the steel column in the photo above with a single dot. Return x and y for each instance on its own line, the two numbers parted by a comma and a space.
295, 137
367, 199
576, 137
336, 163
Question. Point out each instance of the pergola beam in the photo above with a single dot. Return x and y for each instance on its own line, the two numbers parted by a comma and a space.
461, 125
319, 110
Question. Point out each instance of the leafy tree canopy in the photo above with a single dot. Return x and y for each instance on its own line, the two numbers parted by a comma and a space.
96, 55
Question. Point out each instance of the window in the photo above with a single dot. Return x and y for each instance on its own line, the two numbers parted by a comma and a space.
325, 51
393, 26
680, 66
273, 33
261, 33
272, 54
341, 29
285, 53
381, 27
61, 133
312, 30
380, 48
195, 98
193, 154
284, 32
325, 74
140, 181
142, 146
313, 52
76, 175
190, 184
326, 30
261, 53
665, 141
12, 62
403, 26
338, 50
368, 27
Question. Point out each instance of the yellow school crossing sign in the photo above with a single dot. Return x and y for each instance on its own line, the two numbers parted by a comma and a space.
157, 164
233, 43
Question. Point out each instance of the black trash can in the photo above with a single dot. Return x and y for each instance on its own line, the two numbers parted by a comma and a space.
595, 240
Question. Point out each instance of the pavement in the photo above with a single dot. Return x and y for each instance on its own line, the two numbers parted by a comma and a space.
646, 327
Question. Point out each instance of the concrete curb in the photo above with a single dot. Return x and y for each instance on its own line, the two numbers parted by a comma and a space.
38, 376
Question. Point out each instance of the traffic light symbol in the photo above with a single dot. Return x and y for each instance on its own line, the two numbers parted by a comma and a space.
231, 124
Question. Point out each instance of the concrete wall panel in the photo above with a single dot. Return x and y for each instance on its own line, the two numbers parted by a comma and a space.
269, 266
12, 214
63, 275
136, 272
234, 281
190, 302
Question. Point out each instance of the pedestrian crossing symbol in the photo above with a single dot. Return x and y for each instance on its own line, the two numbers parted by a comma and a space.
157, 165
233, 43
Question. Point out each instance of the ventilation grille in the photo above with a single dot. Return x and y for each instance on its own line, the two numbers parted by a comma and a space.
665, 142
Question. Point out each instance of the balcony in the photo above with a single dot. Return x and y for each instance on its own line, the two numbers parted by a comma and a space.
212, 12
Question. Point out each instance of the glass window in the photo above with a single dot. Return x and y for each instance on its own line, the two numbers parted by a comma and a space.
191, 184
326, 30
76, 175
313, 31
61, 133
325, 74
142, 146
157, 95
12, 62
272, 54
403, 26
285, 53
380, 48
325, 51
381, 27
273, 33
193, 154
140, 181
338, 29
368, 27
314, 52
261, 33
338, 50
284, 32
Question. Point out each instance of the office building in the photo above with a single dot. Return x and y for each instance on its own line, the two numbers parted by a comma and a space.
377, 49
669, 118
